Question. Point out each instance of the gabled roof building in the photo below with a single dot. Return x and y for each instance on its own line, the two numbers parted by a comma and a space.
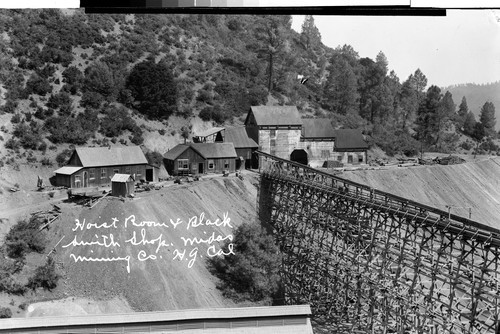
200, 158
280, 131
95, 166
276, 129
244, 146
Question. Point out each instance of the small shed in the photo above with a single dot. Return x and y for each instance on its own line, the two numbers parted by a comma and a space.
122, 185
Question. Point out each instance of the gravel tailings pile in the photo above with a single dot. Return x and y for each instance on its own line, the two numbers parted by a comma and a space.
472, 184
147, 262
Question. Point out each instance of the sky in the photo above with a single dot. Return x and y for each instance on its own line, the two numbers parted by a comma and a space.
462, 47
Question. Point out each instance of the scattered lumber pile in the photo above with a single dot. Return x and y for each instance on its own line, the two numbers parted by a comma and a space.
87, 196
449, 160
49, 216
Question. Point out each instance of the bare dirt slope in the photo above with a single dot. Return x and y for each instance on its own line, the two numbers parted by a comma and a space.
148, 263
474, 185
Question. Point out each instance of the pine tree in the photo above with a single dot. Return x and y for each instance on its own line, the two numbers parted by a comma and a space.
382, 62
487, 117
310, 35
463, 110
271, 32
428, 115
469, 123
418, 81
409, 104
341, 94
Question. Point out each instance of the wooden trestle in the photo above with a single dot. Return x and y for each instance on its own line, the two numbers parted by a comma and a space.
371, 262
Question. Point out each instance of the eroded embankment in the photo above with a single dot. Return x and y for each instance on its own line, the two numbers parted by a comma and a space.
152, 250
474, 185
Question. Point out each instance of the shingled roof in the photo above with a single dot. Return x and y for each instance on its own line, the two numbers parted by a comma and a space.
206, 150
110, 156
346, 139
215, 150
175, 152
275, 115
239, 137
317, 128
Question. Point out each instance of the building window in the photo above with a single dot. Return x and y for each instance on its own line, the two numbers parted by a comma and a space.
103, 173
273, 143
78, 180
272, 133
226, 164
325, 153
349, 159
210, 164
91, 174
127, 170
339, 158
116, 171
138, 171
182, 164
360, 158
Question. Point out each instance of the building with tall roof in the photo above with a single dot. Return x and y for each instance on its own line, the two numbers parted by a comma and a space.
96, 166
276, 129
244, 146
280, 131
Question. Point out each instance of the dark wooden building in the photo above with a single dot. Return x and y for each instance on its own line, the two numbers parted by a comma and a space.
244, 146
200, 158
122, 185
95, 166
350, 147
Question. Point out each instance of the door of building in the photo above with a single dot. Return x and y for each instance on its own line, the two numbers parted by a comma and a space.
200, 168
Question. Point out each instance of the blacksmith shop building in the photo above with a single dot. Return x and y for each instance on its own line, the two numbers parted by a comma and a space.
200, 158
96, 166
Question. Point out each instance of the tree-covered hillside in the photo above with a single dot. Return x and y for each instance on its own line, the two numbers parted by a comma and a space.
68, 78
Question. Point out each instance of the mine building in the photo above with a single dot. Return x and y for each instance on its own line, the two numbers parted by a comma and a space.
244, 145
280, 131
200, 158
317, 141
96, 166
276, 129
350, 147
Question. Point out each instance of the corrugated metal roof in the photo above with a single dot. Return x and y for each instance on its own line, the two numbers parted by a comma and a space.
68, 170
104, 156
215, 150
349, 139
121, 178
317, 128
209, 132
276, 115
239, 137
175, 152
